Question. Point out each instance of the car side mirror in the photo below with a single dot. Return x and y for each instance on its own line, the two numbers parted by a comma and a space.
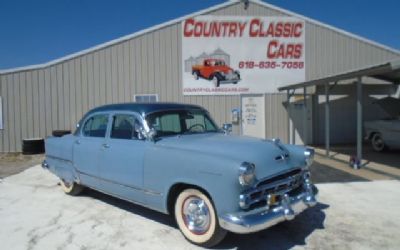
227, 128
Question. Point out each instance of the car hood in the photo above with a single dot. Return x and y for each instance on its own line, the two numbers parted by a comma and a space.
263, 153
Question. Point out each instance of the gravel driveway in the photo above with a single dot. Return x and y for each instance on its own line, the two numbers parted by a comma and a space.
35, 214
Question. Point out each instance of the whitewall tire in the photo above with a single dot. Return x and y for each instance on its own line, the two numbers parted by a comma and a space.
71, 188
196, 217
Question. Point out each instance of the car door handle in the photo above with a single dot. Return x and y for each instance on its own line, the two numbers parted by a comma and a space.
78, 142
105, 145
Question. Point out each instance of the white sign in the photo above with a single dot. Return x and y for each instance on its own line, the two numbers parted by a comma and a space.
253, 116
227, 55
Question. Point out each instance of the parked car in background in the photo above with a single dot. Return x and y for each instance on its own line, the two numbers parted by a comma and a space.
217, 71
385, 133
173, 158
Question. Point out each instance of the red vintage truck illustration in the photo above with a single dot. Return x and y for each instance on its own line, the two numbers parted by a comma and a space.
217, 71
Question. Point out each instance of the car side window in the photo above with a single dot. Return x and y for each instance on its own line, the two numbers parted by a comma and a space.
125, 127
96, 126
170, 122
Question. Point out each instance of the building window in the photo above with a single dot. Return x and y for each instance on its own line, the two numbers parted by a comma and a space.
146, 98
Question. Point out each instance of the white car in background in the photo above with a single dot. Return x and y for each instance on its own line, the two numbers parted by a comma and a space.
385, 133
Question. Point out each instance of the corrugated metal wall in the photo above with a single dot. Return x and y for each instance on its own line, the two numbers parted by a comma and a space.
35, 102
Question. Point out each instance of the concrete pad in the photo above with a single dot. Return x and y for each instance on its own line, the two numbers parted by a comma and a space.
35, 214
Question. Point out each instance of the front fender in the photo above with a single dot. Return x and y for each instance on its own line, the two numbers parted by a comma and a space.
165, 167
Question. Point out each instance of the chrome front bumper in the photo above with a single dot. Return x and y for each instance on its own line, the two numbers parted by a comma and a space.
262, 218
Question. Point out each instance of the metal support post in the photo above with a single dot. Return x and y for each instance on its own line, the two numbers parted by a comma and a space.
359, 120
305, 128
288, 116
327, 121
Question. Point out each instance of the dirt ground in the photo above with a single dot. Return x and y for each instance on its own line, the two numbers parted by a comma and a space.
14, 163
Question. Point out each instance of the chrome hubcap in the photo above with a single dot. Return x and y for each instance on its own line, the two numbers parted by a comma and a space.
196, 215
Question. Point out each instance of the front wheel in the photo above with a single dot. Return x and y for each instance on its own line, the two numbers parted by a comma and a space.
196, 218
71, 188
215, 81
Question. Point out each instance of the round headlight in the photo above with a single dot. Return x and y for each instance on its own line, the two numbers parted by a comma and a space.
247, 174
309, 156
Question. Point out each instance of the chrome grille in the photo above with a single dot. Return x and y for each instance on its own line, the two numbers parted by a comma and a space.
278, 185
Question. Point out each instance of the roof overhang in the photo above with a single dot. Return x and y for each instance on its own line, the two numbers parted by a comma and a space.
387, 71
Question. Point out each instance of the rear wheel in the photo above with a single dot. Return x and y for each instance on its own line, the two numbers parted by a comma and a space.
71, 188
377, 142
197, 219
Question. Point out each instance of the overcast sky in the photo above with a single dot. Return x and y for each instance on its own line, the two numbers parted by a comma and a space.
34, 32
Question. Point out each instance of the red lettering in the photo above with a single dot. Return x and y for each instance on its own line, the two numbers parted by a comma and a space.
270, 31
186, 30
298, 51
198, 29
287, 29
254, 24
281, 50
271, 52
298, 28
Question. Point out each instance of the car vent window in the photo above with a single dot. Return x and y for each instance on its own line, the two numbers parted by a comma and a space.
96, 126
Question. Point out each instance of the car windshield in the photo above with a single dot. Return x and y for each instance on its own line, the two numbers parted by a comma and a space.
178, 122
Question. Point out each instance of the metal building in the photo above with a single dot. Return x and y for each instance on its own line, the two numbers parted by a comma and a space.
40, 98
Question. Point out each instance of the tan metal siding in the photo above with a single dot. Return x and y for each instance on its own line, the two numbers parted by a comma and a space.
90, 82
5, 132
11, 111
329, 52
23, 105
71, 102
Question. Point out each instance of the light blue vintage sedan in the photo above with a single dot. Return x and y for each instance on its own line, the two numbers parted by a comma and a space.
173, 158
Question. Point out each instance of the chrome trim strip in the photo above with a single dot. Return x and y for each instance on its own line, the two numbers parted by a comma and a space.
279, 173
146, 191
58, 158
128, 200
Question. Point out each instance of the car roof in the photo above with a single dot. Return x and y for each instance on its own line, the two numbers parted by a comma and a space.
144, 108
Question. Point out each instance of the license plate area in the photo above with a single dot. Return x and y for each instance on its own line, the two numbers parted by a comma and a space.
273, 199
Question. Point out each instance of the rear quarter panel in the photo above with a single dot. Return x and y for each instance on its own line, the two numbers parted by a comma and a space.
59, 156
